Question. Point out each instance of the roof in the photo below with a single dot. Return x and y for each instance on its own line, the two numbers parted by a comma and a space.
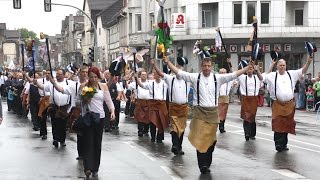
3, 26
96, 6
12, 34
110, 14
99, 4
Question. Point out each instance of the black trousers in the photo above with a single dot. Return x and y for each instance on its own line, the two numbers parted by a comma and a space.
205, 159
280, 139
92, 138
153, 130
34, 109
80, 145
250, 129
176, 140
116, 104
143, 127
59, 129
43, 123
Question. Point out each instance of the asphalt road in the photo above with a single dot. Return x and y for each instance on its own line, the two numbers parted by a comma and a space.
23, 155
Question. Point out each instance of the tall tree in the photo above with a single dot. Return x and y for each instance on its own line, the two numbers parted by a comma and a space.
25, 34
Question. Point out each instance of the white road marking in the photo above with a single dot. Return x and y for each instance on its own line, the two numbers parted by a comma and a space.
290, 145
142, 152
171, 173
272, 136
290, 174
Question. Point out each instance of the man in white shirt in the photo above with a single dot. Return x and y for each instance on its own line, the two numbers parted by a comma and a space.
178, 90
141, 110
224, 100
205, 120
158, 113
281, 85
249, 89
61, 104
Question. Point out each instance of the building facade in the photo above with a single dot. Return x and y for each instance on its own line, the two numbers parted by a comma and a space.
288, 29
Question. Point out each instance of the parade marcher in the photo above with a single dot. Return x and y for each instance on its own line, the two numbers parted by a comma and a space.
31, 94
141, 109
249, 89
43, 104
158, 113
73, 89
223, 100
316, 88
205, 120
60, 105
282, 84
115, 91
93, 134
178, 91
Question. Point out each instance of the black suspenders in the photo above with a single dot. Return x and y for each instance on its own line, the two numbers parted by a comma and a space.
275, 83
215, 91
255, 86
153, 90
172, 89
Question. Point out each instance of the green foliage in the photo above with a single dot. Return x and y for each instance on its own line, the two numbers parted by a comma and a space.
26, 34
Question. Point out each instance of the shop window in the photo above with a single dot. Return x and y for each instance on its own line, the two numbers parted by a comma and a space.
237, 13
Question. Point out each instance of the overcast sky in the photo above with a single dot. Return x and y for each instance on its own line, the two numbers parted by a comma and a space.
33, 17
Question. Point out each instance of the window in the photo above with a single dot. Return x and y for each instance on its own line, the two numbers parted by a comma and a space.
265, 12
251, 11
206, 18
151, 16
130, 23
237, 13
298, 17
138, 22
209, 14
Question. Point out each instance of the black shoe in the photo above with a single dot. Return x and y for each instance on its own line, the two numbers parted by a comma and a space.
94, 174
140, 134
63, 144
247, 137
55, 143
204, 170
253, 138
153, 139
174, 150
182, 153
159, 141
44, 137
35, 129
285, 149
88, 173
222, 130
79, 158
279, 148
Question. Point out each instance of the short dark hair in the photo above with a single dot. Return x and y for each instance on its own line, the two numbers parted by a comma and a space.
206, 59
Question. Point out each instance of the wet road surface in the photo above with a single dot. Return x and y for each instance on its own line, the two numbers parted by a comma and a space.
23, 155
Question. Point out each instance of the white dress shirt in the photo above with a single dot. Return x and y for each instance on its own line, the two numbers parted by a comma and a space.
251, 87
157, 91
284, 86
207, 90
178, 91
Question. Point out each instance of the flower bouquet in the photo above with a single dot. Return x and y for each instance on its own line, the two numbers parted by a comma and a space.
87, 93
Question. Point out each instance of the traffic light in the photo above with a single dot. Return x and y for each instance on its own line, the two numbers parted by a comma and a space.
16, 4
47, 5
91, 54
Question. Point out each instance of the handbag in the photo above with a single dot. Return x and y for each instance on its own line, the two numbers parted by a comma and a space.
84, 122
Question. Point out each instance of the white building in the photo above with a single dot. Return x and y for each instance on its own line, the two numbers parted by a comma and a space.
283, 24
